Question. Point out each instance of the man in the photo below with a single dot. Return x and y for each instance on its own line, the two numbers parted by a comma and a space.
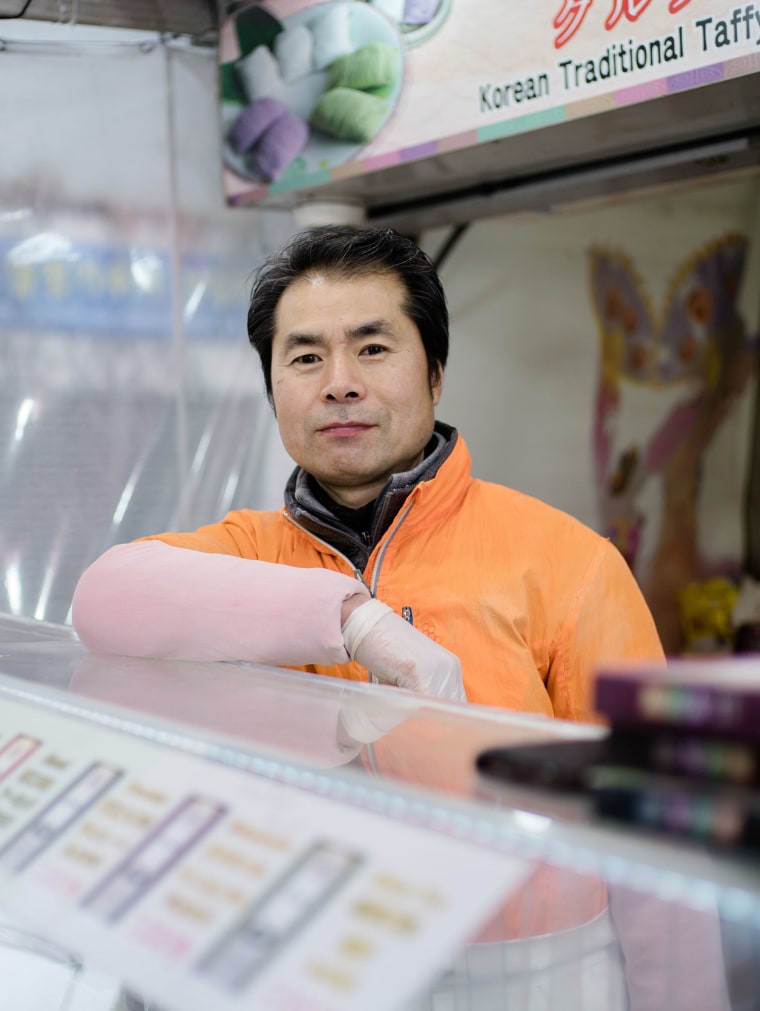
389, 561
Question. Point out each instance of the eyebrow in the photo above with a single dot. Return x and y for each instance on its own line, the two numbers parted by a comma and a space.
371, 328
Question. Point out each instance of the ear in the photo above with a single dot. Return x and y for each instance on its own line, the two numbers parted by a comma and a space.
436, 383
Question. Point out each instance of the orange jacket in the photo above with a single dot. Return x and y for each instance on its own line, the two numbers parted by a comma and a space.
526, 596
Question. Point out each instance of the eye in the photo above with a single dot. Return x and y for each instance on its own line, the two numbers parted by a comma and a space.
373, 349
308, 359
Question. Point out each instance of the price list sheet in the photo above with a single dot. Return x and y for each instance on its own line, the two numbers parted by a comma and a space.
202, 885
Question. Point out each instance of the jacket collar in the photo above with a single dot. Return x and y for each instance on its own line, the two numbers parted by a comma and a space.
315, 516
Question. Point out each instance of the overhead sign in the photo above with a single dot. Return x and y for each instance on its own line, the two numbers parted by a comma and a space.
313, 92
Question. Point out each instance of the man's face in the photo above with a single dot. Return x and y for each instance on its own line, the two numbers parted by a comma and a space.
350, 383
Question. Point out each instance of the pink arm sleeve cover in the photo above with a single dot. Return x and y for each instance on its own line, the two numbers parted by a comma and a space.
148, 598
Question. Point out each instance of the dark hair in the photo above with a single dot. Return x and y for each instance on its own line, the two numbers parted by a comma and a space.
345, 251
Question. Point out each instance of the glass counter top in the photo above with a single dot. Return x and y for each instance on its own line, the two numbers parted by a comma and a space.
412, 759
384, 738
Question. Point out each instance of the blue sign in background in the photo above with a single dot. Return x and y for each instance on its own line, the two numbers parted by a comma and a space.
121, 292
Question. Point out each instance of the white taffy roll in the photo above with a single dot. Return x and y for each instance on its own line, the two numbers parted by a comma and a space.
397, 653
259, 73
294, 52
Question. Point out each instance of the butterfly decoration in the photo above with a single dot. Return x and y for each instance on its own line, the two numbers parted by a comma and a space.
699, 316
699, 341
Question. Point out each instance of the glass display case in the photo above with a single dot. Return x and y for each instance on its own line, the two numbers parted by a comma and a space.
540, 905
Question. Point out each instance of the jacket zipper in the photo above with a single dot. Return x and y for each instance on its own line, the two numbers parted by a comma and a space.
379, 563
381, 553
372, 587
406, 611
357, 574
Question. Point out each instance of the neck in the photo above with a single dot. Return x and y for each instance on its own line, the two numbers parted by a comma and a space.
351, 498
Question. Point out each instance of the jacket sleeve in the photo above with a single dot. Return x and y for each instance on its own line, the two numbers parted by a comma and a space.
153, 599
608, 621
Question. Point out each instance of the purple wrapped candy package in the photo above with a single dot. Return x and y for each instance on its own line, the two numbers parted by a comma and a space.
253, 122
419, 12
283, 141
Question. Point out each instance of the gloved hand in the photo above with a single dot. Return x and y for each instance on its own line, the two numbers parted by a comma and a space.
364, 719
397, 653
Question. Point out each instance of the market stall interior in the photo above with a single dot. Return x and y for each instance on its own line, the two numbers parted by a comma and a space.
601, 264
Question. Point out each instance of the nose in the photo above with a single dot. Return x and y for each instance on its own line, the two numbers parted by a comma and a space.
342, 379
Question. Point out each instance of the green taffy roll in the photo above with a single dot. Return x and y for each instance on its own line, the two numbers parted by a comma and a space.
349, 115
375, 65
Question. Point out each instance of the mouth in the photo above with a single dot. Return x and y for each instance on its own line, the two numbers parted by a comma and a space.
344, 428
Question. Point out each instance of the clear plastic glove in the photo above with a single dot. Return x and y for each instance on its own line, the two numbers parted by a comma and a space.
397, 653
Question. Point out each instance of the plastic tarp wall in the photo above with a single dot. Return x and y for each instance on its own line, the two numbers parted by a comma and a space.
130, 401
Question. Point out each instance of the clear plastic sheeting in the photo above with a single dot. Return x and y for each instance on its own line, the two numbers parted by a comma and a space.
131, 401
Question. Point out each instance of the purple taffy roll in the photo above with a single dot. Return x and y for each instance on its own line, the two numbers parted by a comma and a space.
419, 12
283, 141
253, 122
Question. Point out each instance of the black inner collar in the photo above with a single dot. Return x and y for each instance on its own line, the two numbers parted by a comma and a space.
359, 520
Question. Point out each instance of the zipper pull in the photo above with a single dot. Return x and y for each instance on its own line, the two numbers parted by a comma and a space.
407, 615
